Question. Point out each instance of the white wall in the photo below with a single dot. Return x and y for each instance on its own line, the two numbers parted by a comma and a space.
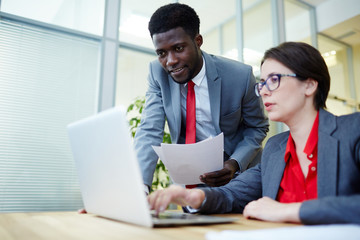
333, 12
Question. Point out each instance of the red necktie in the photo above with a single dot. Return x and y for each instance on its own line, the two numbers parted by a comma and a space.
190, 136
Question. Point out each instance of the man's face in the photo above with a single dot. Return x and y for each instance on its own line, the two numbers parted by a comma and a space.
179, 54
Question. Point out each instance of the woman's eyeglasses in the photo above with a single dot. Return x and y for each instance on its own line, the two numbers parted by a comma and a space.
271, 83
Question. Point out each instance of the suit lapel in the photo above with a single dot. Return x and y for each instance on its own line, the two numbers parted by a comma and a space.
214, 88
275, 167
327, 155
176, 105
327, 161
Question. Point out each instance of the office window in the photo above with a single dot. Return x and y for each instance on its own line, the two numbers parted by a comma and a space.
229, 39
218, 29
258, 37
212, 43
137, 50
356, 63
135, 15
48, 79
82, 15
134, 18
297, 22
335, 55
258, 32
132, 72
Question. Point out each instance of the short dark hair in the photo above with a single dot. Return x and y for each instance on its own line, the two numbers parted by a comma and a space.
306, 62
174, 15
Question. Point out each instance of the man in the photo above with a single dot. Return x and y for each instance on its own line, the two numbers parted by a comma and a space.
224, 94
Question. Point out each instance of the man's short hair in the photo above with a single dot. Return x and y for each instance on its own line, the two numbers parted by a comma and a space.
174, 15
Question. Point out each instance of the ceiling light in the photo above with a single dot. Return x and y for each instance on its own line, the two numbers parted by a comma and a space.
135, 25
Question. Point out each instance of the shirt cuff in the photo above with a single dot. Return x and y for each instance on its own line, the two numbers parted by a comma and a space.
146, 189
189, 209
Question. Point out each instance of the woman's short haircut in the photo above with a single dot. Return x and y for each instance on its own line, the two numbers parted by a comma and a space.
306, 62
172, 16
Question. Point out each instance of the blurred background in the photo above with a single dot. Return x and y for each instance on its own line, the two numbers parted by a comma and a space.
63, 60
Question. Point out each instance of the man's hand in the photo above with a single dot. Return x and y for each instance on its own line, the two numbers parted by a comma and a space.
160, 199
221, 177
82, 211
268, 209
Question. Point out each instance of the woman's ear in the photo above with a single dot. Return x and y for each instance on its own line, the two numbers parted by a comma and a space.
310, 87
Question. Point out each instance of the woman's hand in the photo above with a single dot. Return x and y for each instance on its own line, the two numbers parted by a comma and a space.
268, 209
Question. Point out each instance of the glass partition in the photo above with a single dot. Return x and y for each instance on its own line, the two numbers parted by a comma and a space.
48, 79
258, 37
297, 22
134, 18
217, 25
82, 15
133, 68
258, 32
335, 55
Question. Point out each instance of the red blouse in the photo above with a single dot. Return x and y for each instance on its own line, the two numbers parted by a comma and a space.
294, 187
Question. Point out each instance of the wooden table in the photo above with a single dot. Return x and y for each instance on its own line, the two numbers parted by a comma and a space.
71, 225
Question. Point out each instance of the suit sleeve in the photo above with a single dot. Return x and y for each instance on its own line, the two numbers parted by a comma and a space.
151, 129
333, 209
254, 129
234, 196
330, 210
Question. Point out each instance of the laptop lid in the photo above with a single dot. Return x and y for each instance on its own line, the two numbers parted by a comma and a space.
109, 175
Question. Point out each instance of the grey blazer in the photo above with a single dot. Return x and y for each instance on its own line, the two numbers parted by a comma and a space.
338, 177
235, 110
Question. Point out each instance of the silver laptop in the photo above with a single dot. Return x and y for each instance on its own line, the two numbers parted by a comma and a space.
109, 175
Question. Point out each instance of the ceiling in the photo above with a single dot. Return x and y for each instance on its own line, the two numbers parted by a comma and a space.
313, 2
347, 31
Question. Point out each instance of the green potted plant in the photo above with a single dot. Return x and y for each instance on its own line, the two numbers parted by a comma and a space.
161, 177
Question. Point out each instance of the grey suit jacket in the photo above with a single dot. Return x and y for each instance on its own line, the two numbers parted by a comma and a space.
235, 110
338, 180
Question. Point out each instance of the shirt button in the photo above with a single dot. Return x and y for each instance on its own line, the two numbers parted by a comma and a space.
313, 169
310, 156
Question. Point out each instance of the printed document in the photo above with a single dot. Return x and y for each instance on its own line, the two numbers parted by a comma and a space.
186, 162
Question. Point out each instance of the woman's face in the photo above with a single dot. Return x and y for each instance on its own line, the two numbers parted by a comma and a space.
288, 100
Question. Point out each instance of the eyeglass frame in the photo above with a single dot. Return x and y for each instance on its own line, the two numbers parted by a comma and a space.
261, 84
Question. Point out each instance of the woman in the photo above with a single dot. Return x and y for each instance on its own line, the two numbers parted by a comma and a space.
309, 174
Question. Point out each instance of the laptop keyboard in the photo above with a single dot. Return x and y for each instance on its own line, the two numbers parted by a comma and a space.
170, 218
173, 215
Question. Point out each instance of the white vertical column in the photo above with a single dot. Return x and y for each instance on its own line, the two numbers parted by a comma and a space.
239, 30
313, 27
351, 77
279, 34
278, 19
109, 55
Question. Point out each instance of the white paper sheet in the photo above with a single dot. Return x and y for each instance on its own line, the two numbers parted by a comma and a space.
328, 232
186, 162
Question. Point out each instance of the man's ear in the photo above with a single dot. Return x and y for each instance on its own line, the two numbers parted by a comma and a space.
198, 40
310, 86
